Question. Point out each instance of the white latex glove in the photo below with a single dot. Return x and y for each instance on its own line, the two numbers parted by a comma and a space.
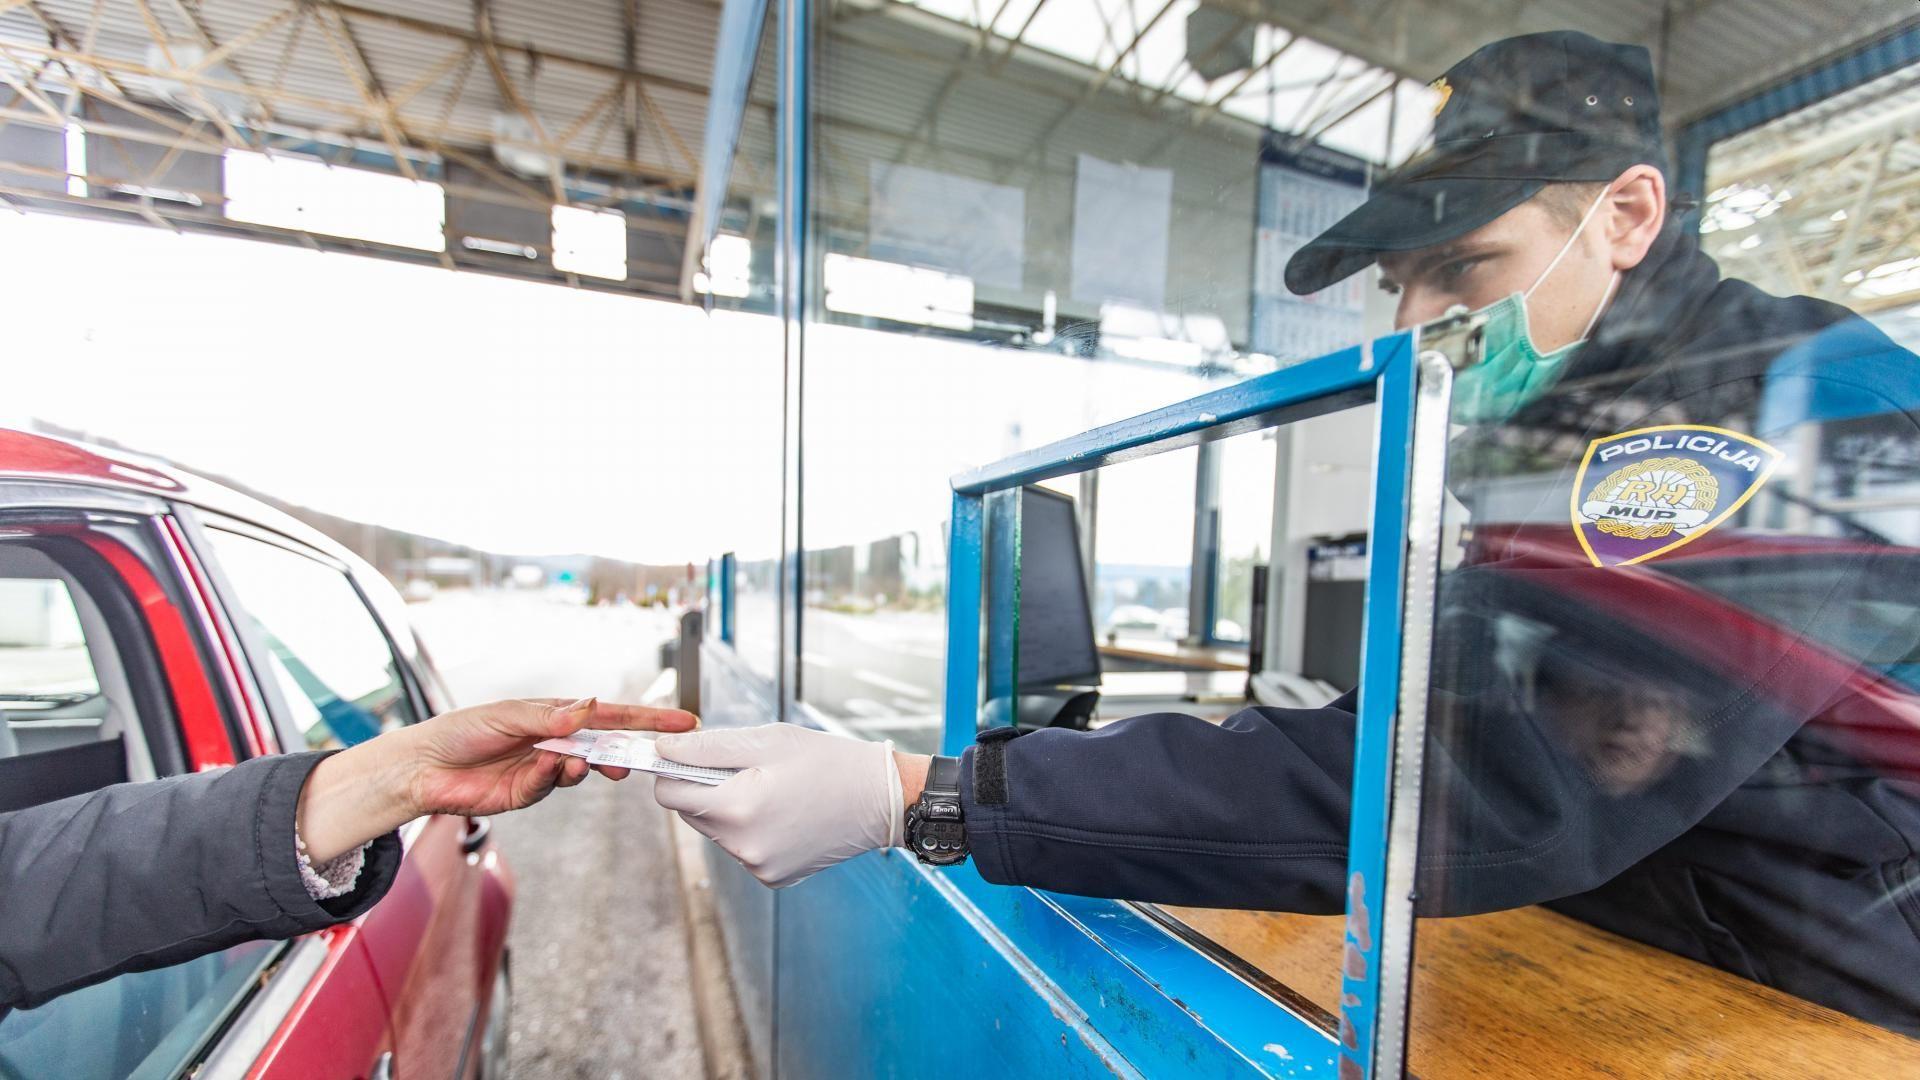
805, 801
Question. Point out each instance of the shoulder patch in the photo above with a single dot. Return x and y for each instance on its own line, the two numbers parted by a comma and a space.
1641, 493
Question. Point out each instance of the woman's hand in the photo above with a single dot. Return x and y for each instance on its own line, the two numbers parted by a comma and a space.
472, 761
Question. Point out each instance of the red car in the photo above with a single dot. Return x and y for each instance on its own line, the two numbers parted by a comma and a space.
152, 622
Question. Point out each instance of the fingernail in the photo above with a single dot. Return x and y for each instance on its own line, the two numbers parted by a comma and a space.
583, 703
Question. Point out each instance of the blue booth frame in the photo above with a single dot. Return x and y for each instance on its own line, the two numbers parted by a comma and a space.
1138, 1000
1412, 385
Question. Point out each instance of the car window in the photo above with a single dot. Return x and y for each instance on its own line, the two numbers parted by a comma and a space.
83, 705
69, 722
332, 663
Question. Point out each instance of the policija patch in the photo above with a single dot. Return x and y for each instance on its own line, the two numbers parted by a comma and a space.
1642, 493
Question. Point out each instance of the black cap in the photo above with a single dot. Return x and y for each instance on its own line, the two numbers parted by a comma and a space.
1517, 115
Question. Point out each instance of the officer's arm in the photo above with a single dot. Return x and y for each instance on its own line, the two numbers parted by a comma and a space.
1248, 813
1253, 812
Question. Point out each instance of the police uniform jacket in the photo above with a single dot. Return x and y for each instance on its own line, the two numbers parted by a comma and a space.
1676, 686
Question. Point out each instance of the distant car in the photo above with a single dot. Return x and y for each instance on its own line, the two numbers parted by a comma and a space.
154, 623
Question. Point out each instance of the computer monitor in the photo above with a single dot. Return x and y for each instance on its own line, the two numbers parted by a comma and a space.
1056, 618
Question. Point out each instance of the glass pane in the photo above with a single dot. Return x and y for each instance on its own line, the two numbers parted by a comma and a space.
44, 666
745, 451
334, 668
149, 1025
1143, 556
1673, 712
1245, 528
66, 700
1025, 225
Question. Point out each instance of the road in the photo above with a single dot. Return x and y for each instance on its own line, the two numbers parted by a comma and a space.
594, 857
880, 674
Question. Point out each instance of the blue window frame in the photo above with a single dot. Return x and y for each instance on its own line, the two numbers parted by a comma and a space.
1412, 385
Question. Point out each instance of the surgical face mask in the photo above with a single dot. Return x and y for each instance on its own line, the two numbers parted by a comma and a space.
1512, 371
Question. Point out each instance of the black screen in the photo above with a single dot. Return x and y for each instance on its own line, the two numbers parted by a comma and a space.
1056, 620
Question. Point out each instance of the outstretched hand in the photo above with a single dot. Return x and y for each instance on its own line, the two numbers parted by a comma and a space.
473, 761
482, 761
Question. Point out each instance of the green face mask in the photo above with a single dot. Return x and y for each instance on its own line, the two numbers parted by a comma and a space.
1512, 372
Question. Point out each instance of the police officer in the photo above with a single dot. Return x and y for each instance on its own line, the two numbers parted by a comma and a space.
1667, 693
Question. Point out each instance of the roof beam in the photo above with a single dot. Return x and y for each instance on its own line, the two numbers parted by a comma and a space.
353, 63
505, 48
351, 111
490, 50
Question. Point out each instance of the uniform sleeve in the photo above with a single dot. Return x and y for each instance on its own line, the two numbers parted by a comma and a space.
1248, 813
1253, 812
140, 876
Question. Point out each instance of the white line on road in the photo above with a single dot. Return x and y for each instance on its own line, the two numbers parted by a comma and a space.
884, 682
816, 660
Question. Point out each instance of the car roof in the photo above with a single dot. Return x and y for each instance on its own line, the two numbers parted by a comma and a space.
32, 456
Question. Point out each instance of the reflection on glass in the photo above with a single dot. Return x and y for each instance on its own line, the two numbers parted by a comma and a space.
1023, 229
335, 670
1673, 699
744, 350
149, 1024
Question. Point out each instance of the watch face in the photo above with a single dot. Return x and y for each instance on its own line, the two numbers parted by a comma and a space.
940, 842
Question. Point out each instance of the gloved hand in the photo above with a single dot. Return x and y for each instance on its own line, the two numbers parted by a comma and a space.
806, 800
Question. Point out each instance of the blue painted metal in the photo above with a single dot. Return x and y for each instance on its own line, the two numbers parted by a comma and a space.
792, 277
1862, 65
736, 47
1384, 370
1379, 694
729, 569
732, 695
1335, 381
963, 620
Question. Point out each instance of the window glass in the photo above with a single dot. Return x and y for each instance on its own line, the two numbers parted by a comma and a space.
1672, 711
1244, 505
1027, 222
747, 356
63, 685
148, 1025
43, 650
334, 668
1143, 554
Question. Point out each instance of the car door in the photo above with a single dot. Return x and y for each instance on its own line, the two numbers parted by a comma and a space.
110, 672
332, 679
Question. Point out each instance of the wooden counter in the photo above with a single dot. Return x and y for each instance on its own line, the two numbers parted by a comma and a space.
1534, 994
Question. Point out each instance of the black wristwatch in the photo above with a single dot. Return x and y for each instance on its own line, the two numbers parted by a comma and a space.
935, 832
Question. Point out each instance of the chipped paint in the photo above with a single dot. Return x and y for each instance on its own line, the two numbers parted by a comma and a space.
1278, 1051
1359, 923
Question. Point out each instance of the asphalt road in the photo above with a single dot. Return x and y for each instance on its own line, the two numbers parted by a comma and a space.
598, 939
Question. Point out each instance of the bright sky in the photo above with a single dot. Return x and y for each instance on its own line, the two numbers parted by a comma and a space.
517, 416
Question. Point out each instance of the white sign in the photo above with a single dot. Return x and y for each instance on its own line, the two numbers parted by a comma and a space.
920, 217
1121, 220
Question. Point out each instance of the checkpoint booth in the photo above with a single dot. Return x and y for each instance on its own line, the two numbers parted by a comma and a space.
1025, 427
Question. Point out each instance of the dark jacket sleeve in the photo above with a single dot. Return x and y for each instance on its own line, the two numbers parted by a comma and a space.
1251, 812
139, 876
